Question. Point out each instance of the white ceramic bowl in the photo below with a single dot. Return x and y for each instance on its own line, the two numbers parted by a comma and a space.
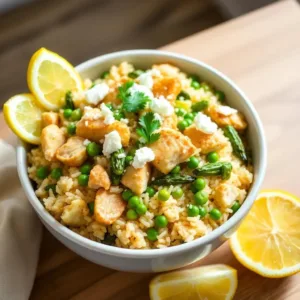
173, 257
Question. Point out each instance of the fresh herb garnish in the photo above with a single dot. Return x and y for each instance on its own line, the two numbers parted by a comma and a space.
148, 125
132, 102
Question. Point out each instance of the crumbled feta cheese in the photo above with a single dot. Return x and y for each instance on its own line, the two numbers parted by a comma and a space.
146, 79
226, 110
121, 155
205, 124
96, 93
142, 156
86, 142
91, 113
142, 89
125, 121
158, 117
107, 114
162, 106
112, 143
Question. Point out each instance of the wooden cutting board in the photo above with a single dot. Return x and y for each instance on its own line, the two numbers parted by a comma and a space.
261, 52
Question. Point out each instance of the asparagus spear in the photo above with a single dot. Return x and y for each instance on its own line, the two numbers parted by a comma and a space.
69, 100
236, 143
173, 179
214, 169
117, 162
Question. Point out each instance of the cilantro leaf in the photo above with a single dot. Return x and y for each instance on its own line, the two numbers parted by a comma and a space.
132, 102
148, 125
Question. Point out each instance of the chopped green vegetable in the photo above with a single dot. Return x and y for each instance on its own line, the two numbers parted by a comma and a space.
152, 234
42, 172
118, 115
128, 160
236, 143
183, 96
91, 206
161, 221
172, 179
135, 74
117, 162
148, 127
69, 100
220, 95
132, 102
215, 169
109, 105
104, 75
199, 106
115, 179
163, 195
56, 173
212, 157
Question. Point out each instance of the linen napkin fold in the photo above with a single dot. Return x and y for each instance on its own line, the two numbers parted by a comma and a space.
20, 232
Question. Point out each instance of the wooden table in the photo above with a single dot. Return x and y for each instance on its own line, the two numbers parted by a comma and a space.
261, 52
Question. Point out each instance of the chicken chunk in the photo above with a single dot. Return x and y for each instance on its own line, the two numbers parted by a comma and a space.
225, 194
73, 152
206, 142
169, 87
95, 130
108, 207
49, 118
99, 178
76, 214
136, 179
52, 138
237, 120
171, 149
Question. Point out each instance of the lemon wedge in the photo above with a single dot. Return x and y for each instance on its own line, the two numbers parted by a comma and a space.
24, 117
268, 240
49, 77
214, 282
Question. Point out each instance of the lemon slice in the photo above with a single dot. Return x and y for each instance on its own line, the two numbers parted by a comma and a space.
214, 282
268, 240
24, 117
49, 77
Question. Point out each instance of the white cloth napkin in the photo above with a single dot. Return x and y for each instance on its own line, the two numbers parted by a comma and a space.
20, 232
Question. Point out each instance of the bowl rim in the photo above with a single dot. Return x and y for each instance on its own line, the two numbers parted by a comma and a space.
150, 253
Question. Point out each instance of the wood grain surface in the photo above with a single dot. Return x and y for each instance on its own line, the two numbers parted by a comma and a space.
261, 52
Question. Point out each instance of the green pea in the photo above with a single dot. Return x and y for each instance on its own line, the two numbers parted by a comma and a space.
76, 115
195, 84
141, 209
134, 201
177, 193
201, 198
83, 179
93, 149
118, 115
202, 211
189, 122
220, 95
91, 206
193, 189
161, 221
212, 157
109, 105
194, 77
127, 194
189, 116
68, 113
176, 170
199, 184
135, 74
183, 124
215, 214
183, 96
104, 75
131, 214
152, 234
128, 160
150, 191
86, 168
56, 173
42, 172
71, 128
199, 106
235, 207
51, 187
163, 195
192, 210
193, 162
180, 112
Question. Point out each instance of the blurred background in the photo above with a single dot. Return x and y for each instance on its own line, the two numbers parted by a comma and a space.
81, 29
